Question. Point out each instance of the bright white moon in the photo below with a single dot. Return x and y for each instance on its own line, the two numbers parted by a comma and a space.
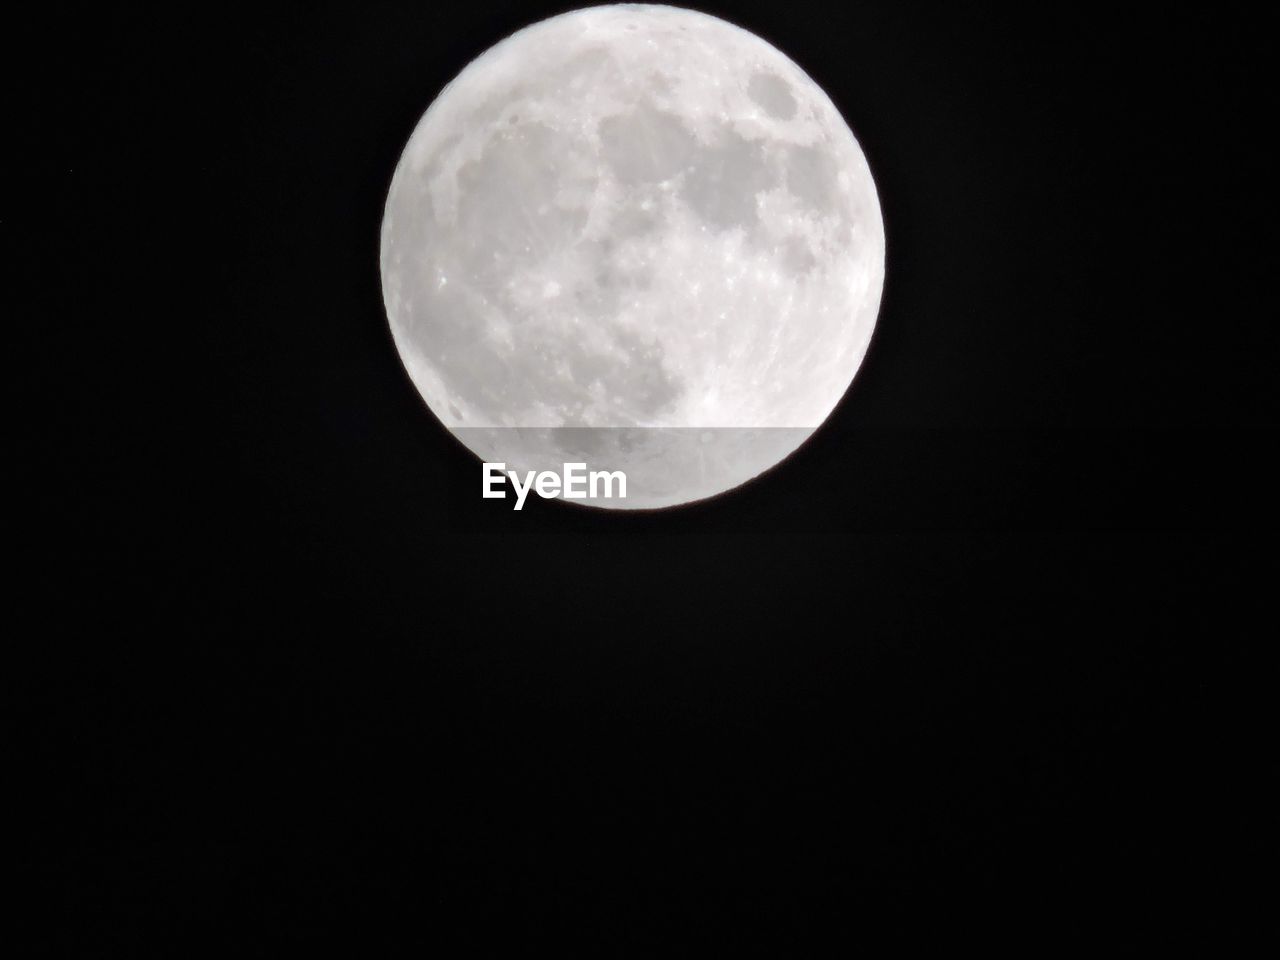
637, 237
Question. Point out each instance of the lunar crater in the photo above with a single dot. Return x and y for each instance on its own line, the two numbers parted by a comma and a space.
623, 230
773, 94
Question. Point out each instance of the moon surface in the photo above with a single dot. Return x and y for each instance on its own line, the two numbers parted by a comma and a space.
637, 237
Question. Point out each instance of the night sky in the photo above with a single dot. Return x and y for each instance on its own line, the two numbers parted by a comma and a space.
291, 680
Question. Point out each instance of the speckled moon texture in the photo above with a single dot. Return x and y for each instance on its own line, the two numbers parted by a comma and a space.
638, 237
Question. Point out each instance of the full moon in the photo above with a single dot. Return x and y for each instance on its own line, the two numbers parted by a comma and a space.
636, 237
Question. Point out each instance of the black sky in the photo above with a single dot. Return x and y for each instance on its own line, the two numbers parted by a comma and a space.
293, 676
